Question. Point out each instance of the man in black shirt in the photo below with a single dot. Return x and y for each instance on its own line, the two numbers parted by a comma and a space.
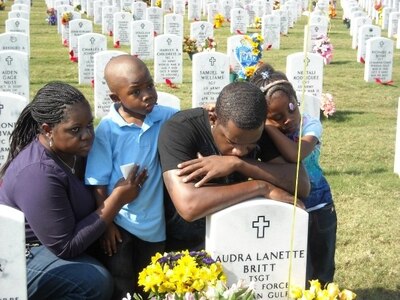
207, 162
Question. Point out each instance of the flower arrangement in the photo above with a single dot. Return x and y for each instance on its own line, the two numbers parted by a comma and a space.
158, 3
51, 16
322, 45
249, 54
218, 20
332, 11
191, 46
66, 17
328, 107
257, 22
331, 291
188, 275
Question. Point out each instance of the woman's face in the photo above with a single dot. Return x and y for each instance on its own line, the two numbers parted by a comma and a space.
74, 135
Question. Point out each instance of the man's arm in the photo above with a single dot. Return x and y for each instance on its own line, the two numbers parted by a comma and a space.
193, 203
277, 171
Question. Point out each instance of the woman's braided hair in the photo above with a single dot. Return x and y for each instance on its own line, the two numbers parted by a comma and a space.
48, 106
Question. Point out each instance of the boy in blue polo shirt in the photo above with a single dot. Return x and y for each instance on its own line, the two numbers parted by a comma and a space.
127, 135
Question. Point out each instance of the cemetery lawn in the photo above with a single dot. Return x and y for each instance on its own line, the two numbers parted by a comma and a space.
358, 143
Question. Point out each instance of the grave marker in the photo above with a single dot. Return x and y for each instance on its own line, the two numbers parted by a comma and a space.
168, 58
14, 71
365, 32
122, 28
379, 60
77, 28
15, 41
239, 21
252, 240
142, 39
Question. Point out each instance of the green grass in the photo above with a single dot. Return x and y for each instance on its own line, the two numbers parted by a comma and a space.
358, 151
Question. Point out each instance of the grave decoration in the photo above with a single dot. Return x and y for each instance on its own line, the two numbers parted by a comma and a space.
218, 20
323, 46
189, 275
66, 17
331, 291
51, 16
2, 5
328, 107
248, 54
191, 47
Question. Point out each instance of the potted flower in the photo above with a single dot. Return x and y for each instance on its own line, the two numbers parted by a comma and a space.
189, 275
331, 291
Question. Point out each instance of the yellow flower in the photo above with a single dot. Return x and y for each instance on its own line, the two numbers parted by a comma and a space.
347, 295
315, 286
307, 295
218, 20
250, 71
295, 292
323, 295
333, 289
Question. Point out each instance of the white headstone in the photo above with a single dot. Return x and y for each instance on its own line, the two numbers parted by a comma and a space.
226, 6
122, 28
59, 11
212, 10
107, 20
88, 45
379, 60
179, 7
210, 73
365, 32
102, 100
315, 32
271, 31
194, 10
200, 30
167, 6
65, 28
12, 254
393, 23
139, 10
142, 39
17, 25
397, 149
173, 24
168, 58
319, 20
167, 99
356, 24
239, 21
18, 14
77, 28
233, 42
97, 11
284, 20
15, 41
253, 242
313, 64
20, 6
126, 5
14, 71
385, 17
155, 15
310, 104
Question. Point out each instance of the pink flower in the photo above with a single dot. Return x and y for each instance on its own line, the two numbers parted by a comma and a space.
328, 106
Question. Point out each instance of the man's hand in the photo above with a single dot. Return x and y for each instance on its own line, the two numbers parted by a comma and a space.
207, 168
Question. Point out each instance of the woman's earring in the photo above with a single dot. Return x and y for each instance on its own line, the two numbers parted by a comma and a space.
51, 143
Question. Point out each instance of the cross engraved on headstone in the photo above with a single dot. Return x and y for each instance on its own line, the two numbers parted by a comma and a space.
169, 41
260, 224
92, 40
1, 107
306, 61
142, 25
212, 60
13, 39
202, 26
123, 17
381, 44
17, 23
316, 29
80, 24
9, 60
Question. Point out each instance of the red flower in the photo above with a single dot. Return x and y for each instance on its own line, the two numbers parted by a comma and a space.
170, 83
117, 45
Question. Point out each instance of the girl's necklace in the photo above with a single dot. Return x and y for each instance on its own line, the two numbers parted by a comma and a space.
72, 169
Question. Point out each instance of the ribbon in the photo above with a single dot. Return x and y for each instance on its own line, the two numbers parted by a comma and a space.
239, 32
117, 45
72, 57
111, 33
269, 46
362, 60
65, 43
92, 83
170, 83
379, 81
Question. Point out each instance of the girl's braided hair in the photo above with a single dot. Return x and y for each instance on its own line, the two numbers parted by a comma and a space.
48, 106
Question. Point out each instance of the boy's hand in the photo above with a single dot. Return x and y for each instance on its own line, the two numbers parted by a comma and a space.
207, 168
128, 189
110, 238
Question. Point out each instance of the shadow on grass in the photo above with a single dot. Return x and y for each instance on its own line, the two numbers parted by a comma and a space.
356, 172
341, 116
341, 62
376, 294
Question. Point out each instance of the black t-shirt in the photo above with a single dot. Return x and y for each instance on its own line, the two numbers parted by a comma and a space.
187, 133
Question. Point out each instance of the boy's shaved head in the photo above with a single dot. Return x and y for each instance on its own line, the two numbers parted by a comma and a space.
121, 67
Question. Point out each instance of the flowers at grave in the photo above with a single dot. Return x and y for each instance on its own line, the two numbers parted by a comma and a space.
188, 275
323, 46
2, 5
328, 107
191, 46
330, 291
276, 5
51, 16
158, 3
248, 54
332, 11
257, 23
66, 17
218, 20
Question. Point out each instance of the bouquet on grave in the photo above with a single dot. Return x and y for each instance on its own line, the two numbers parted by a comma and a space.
66, 17
323, 46
191, 46
188, 275
328, 106
248, 54
331, 291
51, 16
218, 20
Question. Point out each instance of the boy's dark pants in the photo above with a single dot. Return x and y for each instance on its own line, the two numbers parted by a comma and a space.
322, 244
132, 256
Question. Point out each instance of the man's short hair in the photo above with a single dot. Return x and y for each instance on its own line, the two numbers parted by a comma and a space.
243, 103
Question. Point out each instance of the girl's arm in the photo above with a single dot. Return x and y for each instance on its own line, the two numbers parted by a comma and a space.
288, 148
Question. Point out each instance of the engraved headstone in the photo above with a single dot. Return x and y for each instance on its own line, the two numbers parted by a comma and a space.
168, 61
